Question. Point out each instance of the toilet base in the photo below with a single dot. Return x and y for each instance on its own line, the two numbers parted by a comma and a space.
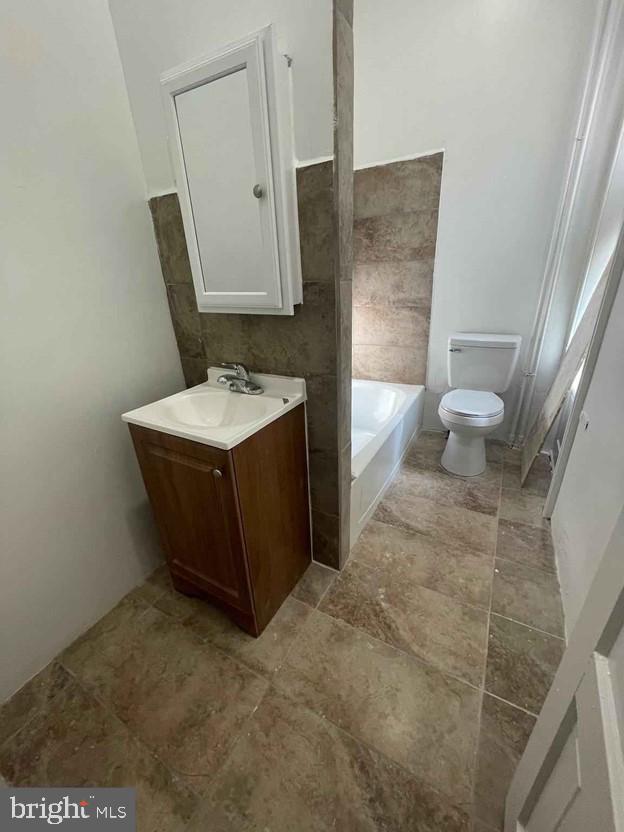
464, 455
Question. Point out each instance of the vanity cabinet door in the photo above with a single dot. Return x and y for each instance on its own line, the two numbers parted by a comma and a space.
192, 491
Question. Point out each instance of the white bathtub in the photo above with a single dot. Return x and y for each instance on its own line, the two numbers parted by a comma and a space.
384, 418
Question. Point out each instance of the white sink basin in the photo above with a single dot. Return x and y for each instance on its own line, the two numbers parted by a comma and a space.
211, 414
201, 408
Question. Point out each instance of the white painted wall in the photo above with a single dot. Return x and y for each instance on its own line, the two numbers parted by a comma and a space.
85, 331
156, 35
592, 491
497, 85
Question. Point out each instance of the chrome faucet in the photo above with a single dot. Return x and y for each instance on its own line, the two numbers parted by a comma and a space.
239, 381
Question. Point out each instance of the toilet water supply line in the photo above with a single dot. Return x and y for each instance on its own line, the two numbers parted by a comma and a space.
600, 51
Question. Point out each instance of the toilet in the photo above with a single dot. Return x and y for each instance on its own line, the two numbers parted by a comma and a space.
479, 365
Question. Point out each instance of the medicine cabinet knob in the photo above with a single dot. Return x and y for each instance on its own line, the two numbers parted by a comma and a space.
258, 191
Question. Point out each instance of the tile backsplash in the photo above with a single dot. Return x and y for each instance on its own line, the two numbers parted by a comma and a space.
302, 345
395, 229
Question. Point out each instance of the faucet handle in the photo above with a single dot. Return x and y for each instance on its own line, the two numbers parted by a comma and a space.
238, 368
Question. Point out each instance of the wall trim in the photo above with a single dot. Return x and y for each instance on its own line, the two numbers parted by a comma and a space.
306, 163
408, 158
156, 194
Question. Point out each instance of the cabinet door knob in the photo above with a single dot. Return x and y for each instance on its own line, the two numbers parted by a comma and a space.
258, 191
217, 474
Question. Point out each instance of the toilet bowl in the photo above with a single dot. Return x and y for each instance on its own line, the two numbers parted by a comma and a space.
470, 416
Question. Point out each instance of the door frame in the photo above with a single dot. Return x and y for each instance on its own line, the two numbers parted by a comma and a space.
613, 282
590, 643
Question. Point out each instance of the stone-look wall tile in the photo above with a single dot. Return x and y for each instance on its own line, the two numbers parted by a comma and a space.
398, 186
322, 412
170, 239
343, 145
396, 214
185, 317
344, 492
316, 226
401, 236
345, 7
307, 344
404, 283
195, 370
343, 273
403, 365
391, 326
298, 345
326, 538
345, 359
324, 481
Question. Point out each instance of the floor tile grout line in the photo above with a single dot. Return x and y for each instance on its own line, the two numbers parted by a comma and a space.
289, 649
58, 660
484, 825
478, 553
431, 538
203, 798
511, 704
443, 504
460, 601
475, 755
528, 626
330, 585
34, 711
203, 640
271, 685
108, 708
366, 743
475, 767
410, 656
539, 569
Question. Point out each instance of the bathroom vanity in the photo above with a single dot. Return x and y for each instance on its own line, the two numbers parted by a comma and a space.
227, 478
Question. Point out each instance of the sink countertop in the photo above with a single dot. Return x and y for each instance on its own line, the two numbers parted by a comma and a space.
211, 414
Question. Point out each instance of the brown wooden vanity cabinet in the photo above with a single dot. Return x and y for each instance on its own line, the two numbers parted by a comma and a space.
235, 524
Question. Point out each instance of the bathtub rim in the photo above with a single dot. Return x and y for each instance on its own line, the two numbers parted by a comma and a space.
364, 456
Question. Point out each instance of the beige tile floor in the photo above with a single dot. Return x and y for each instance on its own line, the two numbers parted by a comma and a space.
396, 696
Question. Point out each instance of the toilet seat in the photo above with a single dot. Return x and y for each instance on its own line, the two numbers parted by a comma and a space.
472, 404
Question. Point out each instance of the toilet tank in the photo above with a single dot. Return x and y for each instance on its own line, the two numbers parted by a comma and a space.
482, 361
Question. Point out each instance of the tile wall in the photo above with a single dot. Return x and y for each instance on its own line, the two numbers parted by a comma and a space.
315, 343
396, 222
301, 345
343, 251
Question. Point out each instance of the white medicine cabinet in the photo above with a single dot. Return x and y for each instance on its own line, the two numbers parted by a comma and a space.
231, 145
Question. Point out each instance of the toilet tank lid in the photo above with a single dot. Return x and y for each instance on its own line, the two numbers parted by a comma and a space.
484, 339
